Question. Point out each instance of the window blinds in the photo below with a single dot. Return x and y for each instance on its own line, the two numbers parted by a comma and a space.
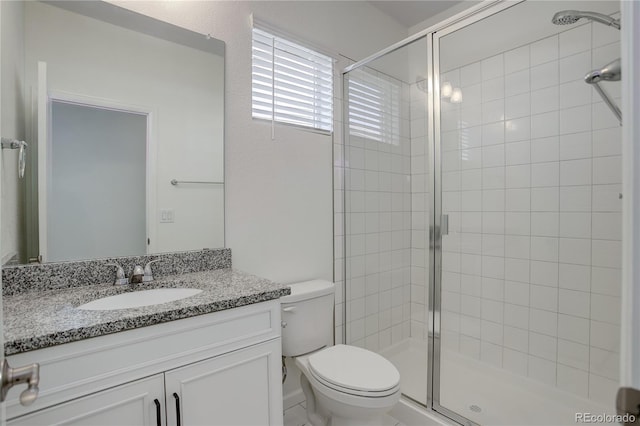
374, 106
291, 83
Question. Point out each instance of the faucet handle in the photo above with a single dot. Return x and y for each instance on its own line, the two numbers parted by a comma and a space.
148, 274
121, 278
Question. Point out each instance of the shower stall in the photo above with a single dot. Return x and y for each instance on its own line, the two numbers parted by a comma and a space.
478, 212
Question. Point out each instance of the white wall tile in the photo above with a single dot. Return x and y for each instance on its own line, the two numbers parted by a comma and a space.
492, 67
518, 200
516, 316
542, 370
575, 225
544, 100
516, 59
605, 308
516, 270
573, 380
543, 346
545, 150
493, 156
516, 83
470, 74
544, 224
575, 93
545, 125
606, 281
573, 354
573, 67
517, 106
574, 277
575, 250
543, 322
516, 293
604, 363
518, 153
494, 111
575, 199
493, 177
517, 223
545, 199
546, 274
517, 176
545, 75
493, 89
574, 303
543, 297
575, 146
545, 174
607, 170
544, 50
517, 246
605, 336
544, 248
606, 253
573, 329
493, 133
517, 129
577, 119
575, 40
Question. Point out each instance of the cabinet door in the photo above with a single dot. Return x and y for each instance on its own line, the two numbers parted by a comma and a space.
132, 404
243, 387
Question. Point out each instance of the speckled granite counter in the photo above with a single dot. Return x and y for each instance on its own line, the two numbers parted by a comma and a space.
40, 319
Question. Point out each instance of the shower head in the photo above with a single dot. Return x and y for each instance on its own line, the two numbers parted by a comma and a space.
566, 17
610, 72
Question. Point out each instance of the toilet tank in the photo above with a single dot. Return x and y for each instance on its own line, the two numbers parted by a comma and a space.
307, 317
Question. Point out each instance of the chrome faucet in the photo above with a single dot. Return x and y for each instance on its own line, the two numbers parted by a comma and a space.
137, 275
148, 274
121, 278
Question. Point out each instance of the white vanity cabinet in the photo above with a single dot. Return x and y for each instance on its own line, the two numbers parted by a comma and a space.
133, 404
222, 368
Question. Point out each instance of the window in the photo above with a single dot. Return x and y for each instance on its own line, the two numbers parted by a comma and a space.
374, 106
291, 83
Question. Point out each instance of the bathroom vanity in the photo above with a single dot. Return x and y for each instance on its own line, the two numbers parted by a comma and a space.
213, 358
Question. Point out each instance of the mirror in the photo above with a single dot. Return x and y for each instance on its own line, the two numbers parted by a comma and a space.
123, 116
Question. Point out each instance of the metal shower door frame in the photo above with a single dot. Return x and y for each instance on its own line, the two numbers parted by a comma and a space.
435, 231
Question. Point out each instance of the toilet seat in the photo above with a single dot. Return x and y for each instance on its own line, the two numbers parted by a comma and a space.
354, 371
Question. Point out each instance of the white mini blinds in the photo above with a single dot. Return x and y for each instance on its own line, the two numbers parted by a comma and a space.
374, 106
291, 83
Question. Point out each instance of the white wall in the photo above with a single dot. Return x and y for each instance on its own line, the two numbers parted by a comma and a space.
12, 63
279, 215
143, 73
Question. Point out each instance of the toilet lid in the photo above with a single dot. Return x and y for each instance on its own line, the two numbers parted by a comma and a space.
354, 368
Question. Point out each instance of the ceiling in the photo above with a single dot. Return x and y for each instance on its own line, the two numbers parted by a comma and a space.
410, 13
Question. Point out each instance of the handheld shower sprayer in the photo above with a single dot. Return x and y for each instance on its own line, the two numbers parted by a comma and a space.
567, 17
610, 72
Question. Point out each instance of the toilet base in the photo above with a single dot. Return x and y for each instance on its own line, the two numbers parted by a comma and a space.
326, 411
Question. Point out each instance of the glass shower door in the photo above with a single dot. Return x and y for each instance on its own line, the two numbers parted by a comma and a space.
529, 170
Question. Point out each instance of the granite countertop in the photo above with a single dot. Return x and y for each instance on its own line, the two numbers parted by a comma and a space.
46, 318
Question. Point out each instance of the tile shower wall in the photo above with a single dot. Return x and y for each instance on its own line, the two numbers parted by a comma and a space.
378, 230
420, 207
531, 181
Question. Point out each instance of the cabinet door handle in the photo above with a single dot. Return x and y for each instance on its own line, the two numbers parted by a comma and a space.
158, 415
177, 398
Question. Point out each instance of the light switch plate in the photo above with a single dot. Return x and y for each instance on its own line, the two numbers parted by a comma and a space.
167, 215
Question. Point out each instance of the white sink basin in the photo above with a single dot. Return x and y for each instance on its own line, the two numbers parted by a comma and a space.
137, 299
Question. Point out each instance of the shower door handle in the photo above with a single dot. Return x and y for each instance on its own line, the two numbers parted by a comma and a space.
444, 224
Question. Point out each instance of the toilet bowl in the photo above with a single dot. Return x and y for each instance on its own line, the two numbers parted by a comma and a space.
343, 385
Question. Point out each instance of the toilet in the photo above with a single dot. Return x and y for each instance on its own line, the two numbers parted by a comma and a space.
343, 385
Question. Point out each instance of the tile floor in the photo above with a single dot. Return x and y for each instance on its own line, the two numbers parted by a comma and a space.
297, 416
